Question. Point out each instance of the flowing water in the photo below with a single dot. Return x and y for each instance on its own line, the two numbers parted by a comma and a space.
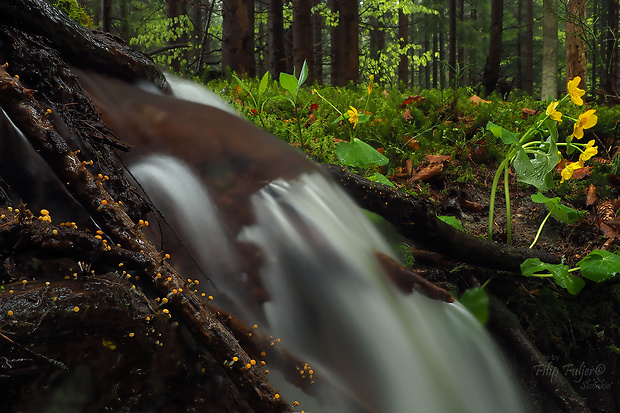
329, 300
255, 215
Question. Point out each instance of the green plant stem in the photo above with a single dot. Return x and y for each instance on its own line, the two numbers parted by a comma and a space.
540, 228
498, 173
507, 198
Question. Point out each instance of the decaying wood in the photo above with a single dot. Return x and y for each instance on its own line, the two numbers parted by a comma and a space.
416, 220
30, 117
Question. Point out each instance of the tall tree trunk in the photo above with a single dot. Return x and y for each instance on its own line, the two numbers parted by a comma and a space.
435, 60
529, 48
238, 37
345, 55
520, 52
317, 23
106, 15
609, 50
442, 47
261, 42
173, 10
460, 29
302, 35
275, 38
549, 83
403, 40
474, 77
452, 42
492, 68
576, 64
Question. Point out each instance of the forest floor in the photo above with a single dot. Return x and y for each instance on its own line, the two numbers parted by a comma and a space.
577, 335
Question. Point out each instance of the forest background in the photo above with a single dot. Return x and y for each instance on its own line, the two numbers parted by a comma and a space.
500, 45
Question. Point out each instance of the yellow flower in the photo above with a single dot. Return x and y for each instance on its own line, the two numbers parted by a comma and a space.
552, 113
567, 172
586, 121
353, 118
372, 77
574, 92
589, 151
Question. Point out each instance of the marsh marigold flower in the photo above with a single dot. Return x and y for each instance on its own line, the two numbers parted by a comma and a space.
569, 170
574, 91
353, 117
553, 113
589, 151
586, 121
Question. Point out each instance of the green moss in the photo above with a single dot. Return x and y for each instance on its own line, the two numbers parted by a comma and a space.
74, 10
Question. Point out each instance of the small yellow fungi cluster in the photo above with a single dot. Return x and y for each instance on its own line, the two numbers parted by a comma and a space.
68, 224
143, 223
9, 313
306, 370
45, 216
108, 343
87, 162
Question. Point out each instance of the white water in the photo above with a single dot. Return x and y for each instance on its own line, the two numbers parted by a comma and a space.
330, 302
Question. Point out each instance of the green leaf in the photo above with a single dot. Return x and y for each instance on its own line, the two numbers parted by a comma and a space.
243, 85
476, 301
452, 221
359, 154
263, 84
303, 75
505, 135
599, 265
380, 178
562, 213
537, 171
560, 274
289, 83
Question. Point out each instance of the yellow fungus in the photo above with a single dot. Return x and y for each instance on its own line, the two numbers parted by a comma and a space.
55, 232
276, 396
248, 366
263, 354
164, 300
169, 278
17, 77
9, 313
100, 176
180, 290
2, 216
167, 256
128, 275
131, 334
253, 362
266, 371
255, 326
137, 277
76, 308
158, 275
100, 232
262, 363
210, 297
235, 358
45, 212
104, 202
10, 209
105, 178
174, 291
165, 311
295, 403
203, 295
120, 264
98, 236
67, 277
47, 283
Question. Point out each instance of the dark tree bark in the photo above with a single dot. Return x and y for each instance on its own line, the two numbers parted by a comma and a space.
576, 64
317, 32
403, 41
609, 74
377, 41
275, 23
238, 37
529, 48
302, 36
106, 15
492, 68
452, 42
344, 54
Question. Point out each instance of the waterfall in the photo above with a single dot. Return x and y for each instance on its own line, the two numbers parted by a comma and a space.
326, 296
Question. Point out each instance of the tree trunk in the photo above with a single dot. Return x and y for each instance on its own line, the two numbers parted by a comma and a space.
345, 54
452, 43
529, 48
492, 68
403, 41
106, 15
576, 63
317, 23
238, 37
609, 51
275, 21
302, 36
549, 82
460, 30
